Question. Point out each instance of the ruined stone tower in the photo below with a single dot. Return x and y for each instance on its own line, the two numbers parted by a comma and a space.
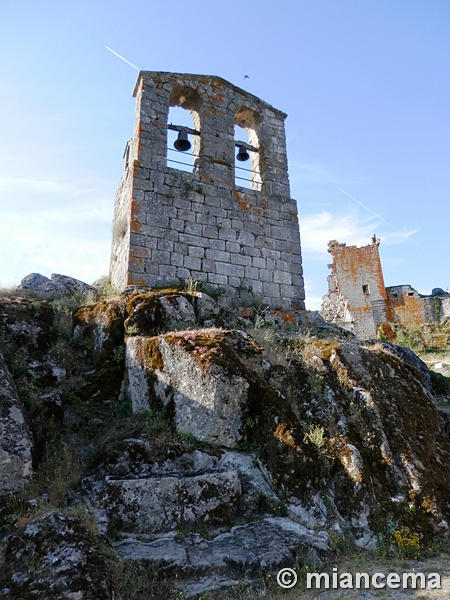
356, 298
358, 301
204, 225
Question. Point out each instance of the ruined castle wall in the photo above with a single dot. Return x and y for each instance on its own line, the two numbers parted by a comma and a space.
202, 225
407, 306
360, 280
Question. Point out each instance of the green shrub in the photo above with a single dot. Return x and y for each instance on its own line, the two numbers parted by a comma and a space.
440, 384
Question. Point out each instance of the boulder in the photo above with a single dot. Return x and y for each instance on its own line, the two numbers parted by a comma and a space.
41, 285
15, 439
59, 285
412, 359
51, 558
72, 285
199, 373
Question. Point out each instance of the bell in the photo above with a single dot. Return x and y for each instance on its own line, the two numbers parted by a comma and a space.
242, 154
182, 143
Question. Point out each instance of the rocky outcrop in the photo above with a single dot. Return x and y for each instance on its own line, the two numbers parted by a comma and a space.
15, 440
238, 457
53, 557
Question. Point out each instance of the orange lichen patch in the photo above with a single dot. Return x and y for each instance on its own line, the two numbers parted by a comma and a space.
137, 252
347, 460
213, 111
135, 225
360, 310
406, 309
284, 434
325, 349
294, 216
217, 97
247, 312
243, 201
386, 332
132, 280
288, 317
148, 354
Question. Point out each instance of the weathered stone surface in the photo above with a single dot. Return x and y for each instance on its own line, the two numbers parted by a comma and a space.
251, 550
163, 504
58, 284
15, 438
152, 312
257, 495
412, 359
368, 444
41, 284
72, 285
188, 369
27, 326
137, 488
333, 436
54, 558
102, 324
209, 403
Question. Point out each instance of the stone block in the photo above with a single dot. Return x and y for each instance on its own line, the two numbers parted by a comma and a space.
193, 229
218, 255
193, 263
196, 251
232, 247
246, 238
210, 231
165, 244
217, 279
177, 224
230, 270
271, 289
282, 277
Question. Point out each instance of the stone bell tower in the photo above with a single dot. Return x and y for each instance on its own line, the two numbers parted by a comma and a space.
207, 225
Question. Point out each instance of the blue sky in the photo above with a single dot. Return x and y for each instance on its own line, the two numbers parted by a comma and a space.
365, 83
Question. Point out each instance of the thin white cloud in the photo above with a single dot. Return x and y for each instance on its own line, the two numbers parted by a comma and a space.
319, 228
22, 185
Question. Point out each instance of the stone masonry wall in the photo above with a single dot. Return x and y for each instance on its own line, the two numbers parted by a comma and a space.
357, 275
405, 305
358, 301
171, 225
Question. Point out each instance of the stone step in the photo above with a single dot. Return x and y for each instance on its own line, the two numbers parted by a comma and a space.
176, 494
164, 504
245, 553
